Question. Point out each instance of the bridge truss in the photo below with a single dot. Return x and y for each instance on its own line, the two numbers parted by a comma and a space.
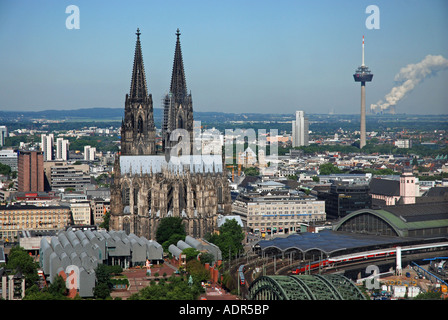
304, 287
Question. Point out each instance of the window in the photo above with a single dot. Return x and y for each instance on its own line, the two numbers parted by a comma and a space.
125, 196
136, 191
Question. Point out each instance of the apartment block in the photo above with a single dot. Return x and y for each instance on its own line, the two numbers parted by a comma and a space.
16, 218
62, 149
47, 145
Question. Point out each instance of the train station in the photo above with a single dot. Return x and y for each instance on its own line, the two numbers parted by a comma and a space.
393, 237
366, 230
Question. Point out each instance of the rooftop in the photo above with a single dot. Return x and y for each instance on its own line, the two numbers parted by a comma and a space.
157, 163
327, 241
28, 207
385, 187
427, 219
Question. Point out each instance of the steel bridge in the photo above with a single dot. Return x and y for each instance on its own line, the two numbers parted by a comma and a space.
304, 287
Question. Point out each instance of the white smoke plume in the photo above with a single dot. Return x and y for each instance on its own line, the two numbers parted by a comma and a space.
408, 78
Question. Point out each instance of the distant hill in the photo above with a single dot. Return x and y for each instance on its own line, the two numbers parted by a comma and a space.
116, 114
220, 120
87, 113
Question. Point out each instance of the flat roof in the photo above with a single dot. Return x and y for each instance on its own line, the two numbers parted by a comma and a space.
157, 163
28, 206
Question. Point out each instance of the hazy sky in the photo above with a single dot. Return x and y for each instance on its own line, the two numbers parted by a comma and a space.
239, 56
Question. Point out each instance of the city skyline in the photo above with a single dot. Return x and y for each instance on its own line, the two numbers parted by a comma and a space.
263, 57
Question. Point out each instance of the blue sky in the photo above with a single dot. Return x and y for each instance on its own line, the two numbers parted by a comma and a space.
239, 56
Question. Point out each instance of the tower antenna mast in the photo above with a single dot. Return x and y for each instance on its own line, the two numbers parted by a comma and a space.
362, 64
363, 75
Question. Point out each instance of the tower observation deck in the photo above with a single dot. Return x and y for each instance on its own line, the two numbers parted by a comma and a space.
363, 75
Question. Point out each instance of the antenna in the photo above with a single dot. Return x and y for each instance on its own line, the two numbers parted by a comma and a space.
362, 51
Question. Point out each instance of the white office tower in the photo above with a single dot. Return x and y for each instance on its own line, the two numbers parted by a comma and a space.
62, 149
300, 130
3, 135
89, 153
47, 144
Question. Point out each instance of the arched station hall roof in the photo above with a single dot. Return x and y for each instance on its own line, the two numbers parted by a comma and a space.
327, 241
414, 220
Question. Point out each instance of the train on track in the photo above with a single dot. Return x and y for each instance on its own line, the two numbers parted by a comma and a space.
340, 260
361, 256
241, 270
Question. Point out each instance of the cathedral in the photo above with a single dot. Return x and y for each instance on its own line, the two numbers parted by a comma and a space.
151, 184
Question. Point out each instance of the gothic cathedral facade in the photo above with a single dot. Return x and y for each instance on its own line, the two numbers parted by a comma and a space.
148, 185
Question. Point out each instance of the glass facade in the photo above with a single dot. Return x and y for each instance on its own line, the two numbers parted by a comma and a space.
343, 199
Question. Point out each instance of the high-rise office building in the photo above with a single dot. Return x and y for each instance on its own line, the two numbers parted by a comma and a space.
300, 130
344, 198
62, 149
3, 135
89, 153
47, 144
9, 157
31, 171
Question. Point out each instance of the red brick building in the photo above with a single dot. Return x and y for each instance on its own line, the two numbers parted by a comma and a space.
31, 171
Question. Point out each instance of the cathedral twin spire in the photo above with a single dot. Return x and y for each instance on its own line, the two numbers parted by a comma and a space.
139, 88
138, 130
178, 86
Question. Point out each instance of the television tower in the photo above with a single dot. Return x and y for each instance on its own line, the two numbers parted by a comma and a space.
363, 75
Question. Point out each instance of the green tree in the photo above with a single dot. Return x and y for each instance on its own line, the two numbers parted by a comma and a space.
5, 169
50, 293
197, 270
190, 253
106, 220
115, 269
176, 288
206, 257
429, 296
252, 171
173, 239
101, 291
328, 168
58, 288
20, 260
103, 285
229, 282
168, 227
230, 238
